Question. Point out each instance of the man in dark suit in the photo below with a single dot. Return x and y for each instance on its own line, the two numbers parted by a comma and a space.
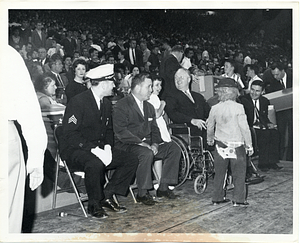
61, 81
137, 132
185, 106
267, 136
169, 65
118, 48
43, 59
133, 55
87, 141
38, 36
69, 44
275, 79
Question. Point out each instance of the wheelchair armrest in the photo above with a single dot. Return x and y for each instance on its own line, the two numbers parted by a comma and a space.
177, 126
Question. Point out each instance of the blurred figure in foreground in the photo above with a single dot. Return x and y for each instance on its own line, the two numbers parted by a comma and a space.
25, 111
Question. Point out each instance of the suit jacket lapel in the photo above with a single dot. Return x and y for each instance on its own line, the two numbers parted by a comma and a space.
186, 97
135, 106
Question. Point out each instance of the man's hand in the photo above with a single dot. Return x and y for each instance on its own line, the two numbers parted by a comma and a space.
199, 123
36, 177
145, 145
271, 126
154, 148
105, 155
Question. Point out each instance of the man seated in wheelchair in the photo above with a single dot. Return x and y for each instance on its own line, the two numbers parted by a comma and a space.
187, 107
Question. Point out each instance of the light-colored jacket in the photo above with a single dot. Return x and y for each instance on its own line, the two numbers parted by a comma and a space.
227, 123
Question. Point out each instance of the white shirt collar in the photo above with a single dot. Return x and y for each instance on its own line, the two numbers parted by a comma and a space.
137, 100
284, 79
257, 103
139, 103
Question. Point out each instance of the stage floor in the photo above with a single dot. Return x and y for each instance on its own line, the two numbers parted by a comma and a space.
270, 212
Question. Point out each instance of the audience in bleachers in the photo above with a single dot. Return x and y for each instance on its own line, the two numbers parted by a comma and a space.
109, 34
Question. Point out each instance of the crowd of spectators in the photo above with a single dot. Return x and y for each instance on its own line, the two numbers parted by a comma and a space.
102, 36
65, 44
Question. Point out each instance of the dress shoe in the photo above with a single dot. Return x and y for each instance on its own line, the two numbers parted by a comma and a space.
147, 199
276, 167
167, 194
243, 204
113, 206
215, 203
97, 211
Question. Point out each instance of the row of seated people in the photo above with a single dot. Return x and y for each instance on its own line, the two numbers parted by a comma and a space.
180, 111
88, 144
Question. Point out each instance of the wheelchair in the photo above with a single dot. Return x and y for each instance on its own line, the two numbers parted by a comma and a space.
196, 163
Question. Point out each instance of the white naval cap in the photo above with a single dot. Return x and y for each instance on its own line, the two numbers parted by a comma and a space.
97, 47
103, 72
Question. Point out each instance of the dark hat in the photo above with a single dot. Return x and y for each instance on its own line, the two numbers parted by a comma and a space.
227, 82
101, 73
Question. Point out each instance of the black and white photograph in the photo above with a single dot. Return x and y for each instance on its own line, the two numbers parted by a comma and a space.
149, 121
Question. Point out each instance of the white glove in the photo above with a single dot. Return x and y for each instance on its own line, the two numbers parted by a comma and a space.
105, 155
36, 177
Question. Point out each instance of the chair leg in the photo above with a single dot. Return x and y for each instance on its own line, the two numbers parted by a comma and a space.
75, 189
107, 176
131, 187
56, 181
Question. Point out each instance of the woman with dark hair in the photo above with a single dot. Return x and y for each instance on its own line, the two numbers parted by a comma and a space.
228, 129
15, 40
78, 85
126, 82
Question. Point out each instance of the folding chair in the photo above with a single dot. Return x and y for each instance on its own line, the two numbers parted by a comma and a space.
62, 165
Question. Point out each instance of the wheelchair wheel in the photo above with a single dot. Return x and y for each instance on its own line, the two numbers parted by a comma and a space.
200, 184
184, 163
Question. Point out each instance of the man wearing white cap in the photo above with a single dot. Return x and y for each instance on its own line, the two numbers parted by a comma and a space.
87, 143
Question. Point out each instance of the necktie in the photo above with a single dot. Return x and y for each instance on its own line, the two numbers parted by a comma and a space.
256, 114
61, 83
133, 56
282, 83
189, 96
